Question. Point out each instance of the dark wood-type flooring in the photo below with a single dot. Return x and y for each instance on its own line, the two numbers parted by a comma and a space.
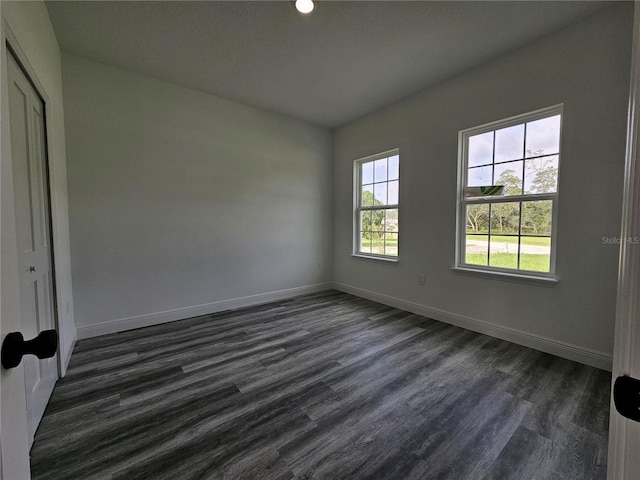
323, 386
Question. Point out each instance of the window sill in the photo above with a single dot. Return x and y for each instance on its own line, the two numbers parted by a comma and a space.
505, 276
394, 260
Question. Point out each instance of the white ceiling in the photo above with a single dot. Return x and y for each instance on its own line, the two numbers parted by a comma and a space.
344, 60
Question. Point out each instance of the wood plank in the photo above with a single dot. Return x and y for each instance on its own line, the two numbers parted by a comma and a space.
325, 385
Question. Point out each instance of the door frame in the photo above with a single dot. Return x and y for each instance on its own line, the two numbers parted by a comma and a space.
14, 455
624, 435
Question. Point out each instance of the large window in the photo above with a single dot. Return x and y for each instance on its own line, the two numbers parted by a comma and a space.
377, 199
511, 227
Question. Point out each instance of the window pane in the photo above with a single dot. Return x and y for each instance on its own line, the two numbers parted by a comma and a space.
476, 250
365, 242
477, 218
391, 244
479, 176
393, 193
505, 218
377, 220
394, 167
509, 143
365, 220
509, 175
380, 193
480, 149
367, 196
541, 175
367, 173
504, 252
380, 170
535, 253
543, 136
536, 217
391, 220
377, 243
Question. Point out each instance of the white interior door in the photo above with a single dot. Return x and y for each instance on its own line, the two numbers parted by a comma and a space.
624, 434
31, 201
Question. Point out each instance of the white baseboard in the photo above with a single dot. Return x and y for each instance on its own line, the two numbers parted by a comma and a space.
139, 321
555, 347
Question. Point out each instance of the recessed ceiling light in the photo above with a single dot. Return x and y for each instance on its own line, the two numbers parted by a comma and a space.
304, 6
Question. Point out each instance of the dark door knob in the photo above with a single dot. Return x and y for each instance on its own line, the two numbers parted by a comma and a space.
14, 347
626, 397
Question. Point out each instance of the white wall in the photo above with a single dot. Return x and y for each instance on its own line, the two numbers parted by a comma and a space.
586, 67
183, 203
27, 27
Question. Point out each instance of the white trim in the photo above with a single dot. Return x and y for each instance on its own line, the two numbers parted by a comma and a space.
515, 120
624, 435
569, 351
139, 321
378, 156
529, 197
508, 276
22, 58
65, 356
382, 258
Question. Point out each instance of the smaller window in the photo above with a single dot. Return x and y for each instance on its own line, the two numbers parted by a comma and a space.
377, 199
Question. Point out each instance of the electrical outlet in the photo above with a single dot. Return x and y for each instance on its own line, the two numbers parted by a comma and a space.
421, 280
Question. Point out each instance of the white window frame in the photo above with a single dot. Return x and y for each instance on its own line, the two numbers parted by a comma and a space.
461, 221
357, 184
